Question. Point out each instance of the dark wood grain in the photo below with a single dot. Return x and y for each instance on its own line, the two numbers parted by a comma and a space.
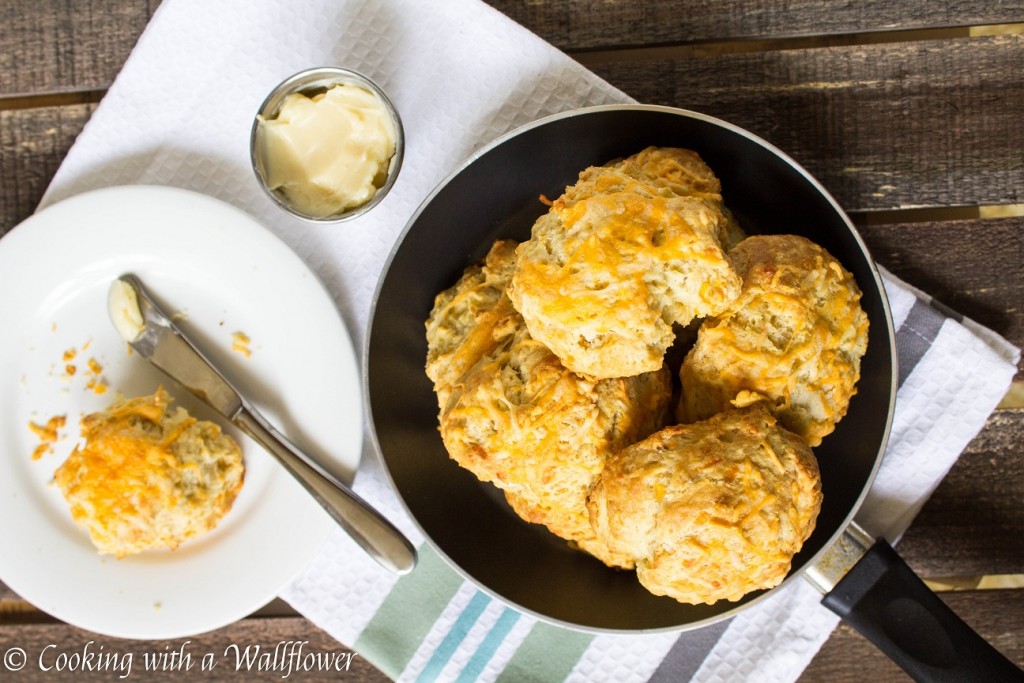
876, 124
64, 45
975, 267
930, 123
38, 46
33, 142
972, 524
39, 53
997, 615
582, 24
226, 648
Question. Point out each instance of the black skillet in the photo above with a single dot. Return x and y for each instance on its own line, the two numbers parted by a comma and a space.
495, 195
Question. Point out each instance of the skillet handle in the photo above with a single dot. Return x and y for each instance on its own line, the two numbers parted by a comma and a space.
889, 605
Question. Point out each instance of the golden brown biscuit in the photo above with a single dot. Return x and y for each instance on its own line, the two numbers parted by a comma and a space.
461, 325
519, 419
677, 171
619, 258
796, 335
147, 477
713, 510
682, 172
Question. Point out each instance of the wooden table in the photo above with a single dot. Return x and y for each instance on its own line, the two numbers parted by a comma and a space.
911, 113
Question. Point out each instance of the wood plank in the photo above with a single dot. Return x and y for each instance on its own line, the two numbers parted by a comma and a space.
975, 267
972, 525
880, 135
33, 143
41, 48
589, 24
923, 124
998, 616
46, 645
61, 45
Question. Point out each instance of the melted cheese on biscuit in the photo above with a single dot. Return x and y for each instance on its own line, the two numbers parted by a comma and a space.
147, 477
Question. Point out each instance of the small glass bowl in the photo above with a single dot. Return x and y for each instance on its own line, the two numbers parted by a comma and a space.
312, 82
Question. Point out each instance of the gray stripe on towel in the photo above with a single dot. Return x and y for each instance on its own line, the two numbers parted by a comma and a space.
946, 310
688, 653
915, 337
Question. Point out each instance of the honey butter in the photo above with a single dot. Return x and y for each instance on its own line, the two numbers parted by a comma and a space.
331, 152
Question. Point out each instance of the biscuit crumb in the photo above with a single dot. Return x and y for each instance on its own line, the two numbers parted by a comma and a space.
93, 370
240, 343
97, 384
48, 434
70, 368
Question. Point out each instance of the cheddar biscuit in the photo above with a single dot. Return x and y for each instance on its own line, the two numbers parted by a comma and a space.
620, 258
685, 174
796, 335
713, 510
521, 420
462, 323
149, 477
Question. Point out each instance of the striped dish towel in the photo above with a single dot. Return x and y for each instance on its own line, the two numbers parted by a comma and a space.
431, 625
461, 74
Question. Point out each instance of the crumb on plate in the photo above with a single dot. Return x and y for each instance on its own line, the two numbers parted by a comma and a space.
48, 434
240, 343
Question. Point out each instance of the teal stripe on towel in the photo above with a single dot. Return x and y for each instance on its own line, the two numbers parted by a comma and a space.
453, 638
485, 651
408, 613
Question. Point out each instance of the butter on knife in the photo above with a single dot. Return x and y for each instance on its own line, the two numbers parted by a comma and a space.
123, 306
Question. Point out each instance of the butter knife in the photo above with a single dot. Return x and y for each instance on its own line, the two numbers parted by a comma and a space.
152, 333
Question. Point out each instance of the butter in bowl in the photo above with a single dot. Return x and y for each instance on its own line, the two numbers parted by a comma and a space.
327, 144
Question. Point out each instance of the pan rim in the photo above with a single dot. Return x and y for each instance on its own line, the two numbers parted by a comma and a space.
794, 574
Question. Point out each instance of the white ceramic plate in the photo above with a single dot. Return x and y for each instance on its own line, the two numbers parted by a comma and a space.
224, 273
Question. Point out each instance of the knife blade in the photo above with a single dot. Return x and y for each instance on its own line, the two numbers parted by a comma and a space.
144, 325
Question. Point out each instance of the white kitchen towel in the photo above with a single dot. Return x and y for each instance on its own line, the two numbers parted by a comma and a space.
462, 74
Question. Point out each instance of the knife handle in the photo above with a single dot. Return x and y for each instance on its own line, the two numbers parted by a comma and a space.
381, 540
